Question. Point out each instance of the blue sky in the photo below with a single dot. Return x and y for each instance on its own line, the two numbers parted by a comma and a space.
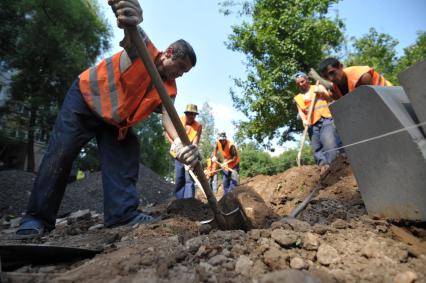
200, 23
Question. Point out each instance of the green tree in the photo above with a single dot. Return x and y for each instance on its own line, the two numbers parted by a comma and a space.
154, 148
376, 50
208, 135
412, 54
48, 43
278, 39
255, 161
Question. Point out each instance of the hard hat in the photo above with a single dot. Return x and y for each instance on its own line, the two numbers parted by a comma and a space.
191, 108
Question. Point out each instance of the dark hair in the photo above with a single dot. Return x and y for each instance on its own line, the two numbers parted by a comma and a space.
181, 49
329, 62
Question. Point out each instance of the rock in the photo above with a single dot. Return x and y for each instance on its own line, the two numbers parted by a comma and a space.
284, 238
405, 277
202, 251
339, 224
243, 265
193, 244
79, 215
96, 227
281, 224
372, 249
327, 255
297, 263
265, 243
288, 276
258, 268
254, 234
217, 260
298, 225
310, 242
320, 229
275, 258
226, 252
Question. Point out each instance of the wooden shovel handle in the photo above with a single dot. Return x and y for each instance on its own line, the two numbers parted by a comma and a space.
143, 53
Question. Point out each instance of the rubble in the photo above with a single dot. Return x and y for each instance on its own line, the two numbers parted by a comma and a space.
333, 240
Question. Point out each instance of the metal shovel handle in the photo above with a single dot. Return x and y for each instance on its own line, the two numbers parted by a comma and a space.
143, 53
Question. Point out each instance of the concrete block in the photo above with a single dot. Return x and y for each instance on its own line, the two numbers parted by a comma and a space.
413, 80
390, 171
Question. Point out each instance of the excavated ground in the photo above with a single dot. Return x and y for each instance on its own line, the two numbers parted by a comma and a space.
332, 240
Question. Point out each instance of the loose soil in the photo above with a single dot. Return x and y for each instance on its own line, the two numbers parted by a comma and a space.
332, 240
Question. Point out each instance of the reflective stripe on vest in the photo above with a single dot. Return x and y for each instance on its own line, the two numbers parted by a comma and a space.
320, 108
121, 91
226, 153
354, 74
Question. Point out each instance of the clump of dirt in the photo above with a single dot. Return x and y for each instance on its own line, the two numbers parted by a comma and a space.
333, 240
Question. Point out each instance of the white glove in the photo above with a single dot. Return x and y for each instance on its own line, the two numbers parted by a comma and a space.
128, 12
188, 155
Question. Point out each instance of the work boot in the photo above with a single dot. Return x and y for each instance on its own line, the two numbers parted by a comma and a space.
30, 229
142, 218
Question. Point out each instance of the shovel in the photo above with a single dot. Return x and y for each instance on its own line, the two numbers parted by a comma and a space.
142, 52
302, 141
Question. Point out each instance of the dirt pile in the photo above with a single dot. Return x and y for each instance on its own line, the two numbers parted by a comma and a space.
15, 189
332, 241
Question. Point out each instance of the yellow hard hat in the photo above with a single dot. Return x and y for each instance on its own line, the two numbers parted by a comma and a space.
191, 108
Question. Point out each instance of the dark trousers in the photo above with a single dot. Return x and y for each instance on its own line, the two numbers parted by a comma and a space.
230, 180
74, 127
323, 135
184, 184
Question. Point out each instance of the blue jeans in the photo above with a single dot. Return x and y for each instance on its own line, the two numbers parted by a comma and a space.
75, 125
229, 180
323, 135
213, 182
184, 184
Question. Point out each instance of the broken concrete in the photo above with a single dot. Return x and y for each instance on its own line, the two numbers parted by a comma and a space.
414, 83
391, 170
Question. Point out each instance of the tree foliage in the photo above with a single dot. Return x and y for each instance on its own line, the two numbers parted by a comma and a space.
48, 43
154, 148
255, 161
207, 141
278, 39
412, 54
376, 50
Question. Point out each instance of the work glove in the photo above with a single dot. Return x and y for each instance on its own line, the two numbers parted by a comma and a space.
188, 155
128, 12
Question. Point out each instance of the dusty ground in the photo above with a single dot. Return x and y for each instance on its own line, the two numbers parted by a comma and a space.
333, 240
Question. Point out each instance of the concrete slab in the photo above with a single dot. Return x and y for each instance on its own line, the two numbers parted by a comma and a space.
390, 171
413, 80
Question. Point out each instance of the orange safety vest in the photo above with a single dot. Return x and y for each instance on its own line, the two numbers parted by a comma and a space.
353, 75
320, 108
191, 132
122, 98
226, 153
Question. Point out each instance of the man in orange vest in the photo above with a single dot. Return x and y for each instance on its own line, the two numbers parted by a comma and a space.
105, 102
231, 162
211, 173
184, 184
346, 80
322, 132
